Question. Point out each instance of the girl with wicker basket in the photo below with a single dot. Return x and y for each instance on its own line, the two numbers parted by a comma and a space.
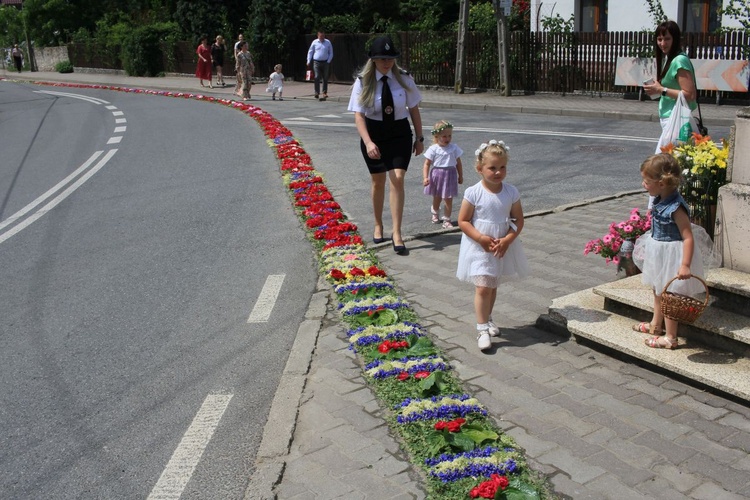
675, 247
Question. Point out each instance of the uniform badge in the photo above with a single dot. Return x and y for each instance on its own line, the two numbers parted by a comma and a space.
388, 110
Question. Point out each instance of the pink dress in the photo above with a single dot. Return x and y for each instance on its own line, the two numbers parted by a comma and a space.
203, 71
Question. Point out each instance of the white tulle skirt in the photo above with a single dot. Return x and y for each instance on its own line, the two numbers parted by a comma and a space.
475, 265
659, 262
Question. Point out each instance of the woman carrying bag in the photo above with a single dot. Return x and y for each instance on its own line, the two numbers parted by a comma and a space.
676, 86
675, 83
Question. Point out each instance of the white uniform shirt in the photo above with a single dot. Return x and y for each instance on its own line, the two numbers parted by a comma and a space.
402, 100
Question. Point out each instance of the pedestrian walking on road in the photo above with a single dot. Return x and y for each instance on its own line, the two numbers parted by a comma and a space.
246, 70
442, 172
675, 247
276, 83
491, 218
238, 77
17, 57
203, 71
383, 98
320, 55
217, 58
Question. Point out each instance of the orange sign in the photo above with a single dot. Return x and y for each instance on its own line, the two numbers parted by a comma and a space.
710, 74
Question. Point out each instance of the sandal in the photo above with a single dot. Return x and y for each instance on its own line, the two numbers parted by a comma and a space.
447, 224
647, 328
435, 218
661, 343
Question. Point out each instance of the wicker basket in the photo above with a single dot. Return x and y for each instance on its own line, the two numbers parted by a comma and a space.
682, 307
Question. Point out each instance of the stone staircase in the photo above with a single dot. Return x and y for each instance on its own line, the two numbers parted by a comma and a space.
714, 352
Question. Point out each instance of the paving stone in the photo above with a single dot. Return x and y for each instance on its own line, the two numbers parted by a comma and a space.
623, 471
704, 410
623, 429
647, 387
676, 477
533, 446
730, 478
569, 441
648, 402
718, 452
578, 470
712, 491
610, 488
674, 453
573, 406
565, 486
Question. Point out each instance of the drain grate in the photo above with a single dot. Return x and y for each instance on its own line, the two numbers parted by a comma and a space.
601, 149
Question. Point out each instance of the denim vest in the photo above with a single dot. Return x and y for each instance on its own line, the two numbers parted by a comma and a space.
663, 226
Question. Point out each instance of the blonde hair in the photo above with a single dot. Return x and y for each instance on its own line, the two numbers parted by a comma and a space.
438, 128
369, 81
663, 167
277, 68
496, 148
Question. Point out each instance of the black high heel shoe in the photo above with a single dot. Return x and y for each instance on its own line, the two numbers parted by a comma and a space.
379, 240
399, 249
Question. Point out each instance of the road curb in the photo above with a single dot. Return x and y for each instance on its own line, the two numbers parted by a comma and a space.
278, 432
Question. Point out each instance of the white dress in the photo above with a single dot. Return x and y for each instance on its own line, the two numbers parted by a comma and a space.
491, 217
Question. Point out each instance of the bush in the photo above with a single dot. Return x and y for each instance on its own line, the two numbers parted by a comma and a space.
142, 53
64, 67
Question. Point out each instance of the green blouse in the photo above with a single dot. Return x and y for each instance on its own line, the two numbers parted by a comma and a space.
666, 104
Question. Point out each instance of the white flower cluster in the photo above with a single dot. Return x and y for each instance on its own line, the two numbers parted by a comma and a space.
493, 142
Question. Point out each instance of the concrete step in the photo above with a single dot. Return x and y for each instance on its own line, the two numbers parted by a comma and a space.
730, 290
583, 315
627, 293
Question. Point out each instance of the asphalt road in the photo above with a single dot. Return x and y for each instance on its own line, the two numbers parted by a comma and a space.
554, 160
123, 308
124, 334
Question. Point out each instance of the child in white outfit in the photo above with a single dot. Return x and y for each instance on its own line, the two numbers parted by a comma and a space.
447, 172
276, 83
491, 218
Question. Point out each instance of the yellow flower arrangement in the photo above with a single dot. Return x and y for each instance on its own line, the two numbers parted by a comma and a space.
704, 171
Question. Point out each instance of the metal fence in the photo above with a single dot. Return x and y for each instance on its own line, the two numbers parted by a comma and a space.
538, 62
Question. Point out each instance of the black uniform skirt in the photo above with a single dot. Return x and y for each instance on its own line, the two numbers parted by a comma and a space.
394, 142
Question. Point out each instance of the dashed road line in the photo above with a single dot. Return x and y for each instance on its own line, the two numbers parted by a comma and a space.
267, 299
186, 456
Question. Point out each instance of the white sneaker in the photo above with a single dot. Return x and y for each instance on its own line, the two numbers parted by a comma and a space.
493, 329
483, 340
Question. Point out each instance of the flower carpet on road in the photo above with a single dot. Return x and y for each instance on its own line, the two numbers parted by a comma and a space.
447, 433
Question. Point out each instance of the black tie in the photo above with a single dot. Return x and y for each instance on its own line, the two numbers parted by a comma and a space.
388, 110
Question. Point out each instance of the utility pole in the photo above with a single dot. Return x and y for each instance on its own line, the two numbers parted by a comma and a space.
463, 25
502, 47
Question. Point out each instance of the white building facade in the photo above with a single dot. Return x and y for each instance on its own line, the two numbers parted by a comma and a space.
693, 16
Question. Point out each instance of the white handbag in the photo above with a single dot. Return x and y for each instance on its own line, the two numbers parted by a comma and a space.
680, 126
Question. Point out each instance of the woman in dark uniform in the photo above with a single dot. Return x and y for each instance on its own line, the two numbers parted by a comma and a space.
382, 119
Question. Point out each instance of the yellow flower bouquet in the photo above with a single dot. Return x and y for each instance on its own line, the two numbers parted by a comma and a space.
704, 171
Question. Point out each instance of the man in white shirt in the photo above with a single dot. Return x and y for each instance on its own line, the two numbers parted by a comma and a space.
320, 56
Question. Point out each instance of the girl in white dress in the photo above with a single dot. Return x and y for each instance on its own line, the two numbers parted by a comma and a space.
491, 218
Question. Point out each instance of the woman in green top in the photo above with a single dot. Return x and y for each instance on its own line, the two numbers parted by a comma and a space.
675, 74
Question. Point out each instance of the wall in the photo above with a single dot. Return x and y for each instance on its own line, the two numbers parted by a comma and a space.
623, 15
48, 57
733, 206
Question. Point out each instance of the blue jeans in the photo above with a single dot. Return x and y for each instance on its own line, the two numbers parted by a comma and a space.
321, 72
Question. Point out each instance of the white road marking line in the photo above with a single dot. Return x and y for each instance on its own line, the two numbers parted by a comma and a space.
328, 116
552, 133
52, 191
117, 113
111, 107
121, 120
185, 458
93, 100
267, 299
300, 118
59, 198
120, 129
114, 140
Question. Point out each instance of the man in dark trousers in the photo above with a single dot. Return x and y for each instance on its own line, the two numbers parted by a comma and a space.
320, 56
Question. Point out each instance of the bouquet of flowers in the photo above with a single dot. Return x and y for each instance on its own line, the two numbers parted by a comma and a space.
620, 239
704, 171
